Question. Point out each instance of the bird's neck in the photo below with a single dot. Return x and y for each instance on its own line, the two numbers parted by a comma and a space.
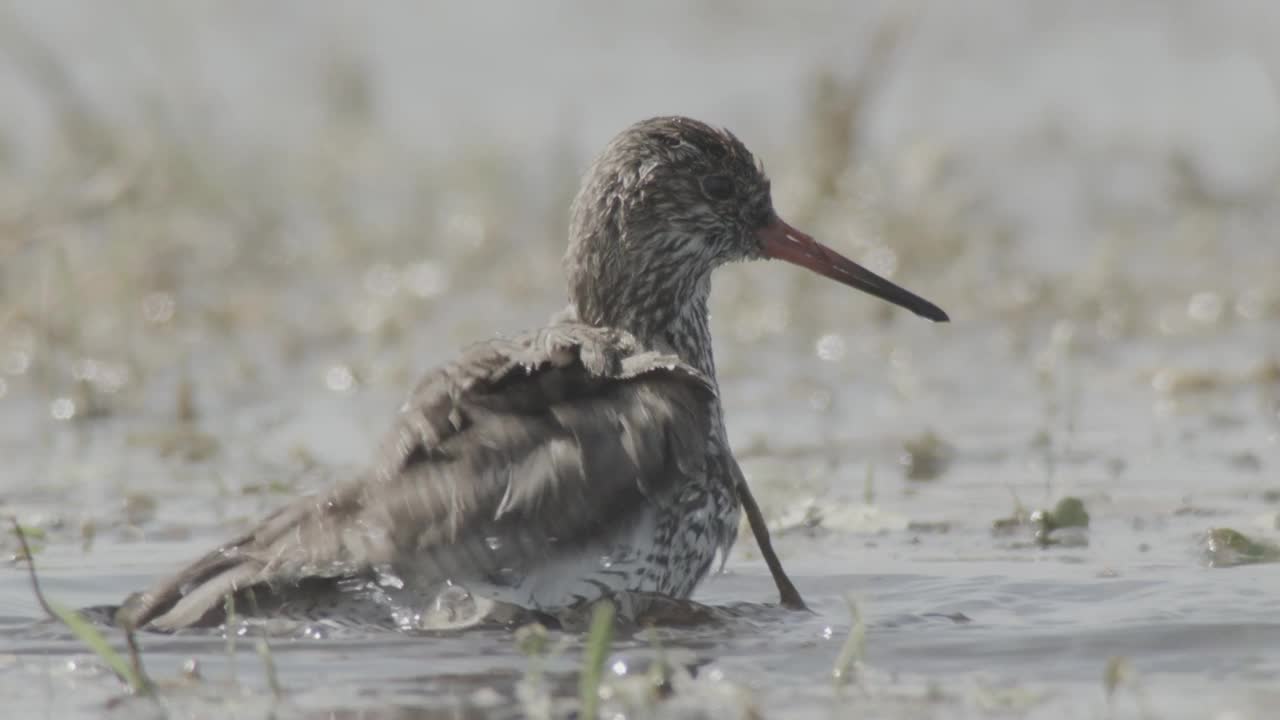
682, 329
688, 336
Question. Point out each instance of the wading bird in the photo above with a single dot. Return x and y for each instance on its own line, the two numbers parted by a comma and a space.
573, 462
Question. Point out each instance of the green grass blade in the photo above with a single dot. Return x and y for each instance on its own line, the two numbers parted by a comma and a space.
129, 672
854, 650
598, 643
86, 633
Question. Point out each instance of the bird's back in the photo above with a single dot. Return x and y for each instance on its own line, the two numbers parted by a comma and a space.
534, 471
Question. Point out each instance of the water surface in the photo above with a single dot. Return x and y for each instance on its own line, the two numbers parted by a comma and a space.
233, 237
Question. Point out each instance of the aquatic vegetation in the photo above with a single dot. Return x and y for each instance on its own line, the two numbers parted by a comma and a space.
160, 262
599, 640
532, 691
1224, 547
129, 671
1063, 525
181, 442
1019, 518
1119, 674
854, 650
926, 456
1066, 524
269, 667
231, 631
31, 541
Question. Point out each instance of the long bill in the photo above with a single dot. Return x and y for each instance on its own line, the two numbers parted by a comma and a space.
781, 241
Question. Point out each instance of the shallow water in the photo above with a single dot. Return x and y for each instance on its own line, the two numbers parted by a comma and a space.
269, 223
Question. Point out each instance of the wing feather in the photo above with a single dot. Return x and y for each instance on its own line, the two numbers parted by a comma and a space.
518, 450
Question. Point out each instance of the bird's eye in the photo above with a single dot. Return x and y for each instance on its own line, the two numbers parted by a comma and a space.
718, 187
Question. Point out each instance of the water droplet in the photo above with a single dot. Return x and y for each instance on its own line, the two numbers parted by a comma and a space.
389, 579
454, 602
1205, 307
831, 347
339, 378
63, 408
16, 362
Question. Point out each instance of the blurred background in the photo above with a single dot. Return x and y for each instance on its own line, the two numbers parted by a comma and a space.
233, 234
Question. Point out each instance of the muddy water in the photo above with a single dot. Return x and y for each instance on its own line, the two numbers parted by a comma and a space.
232, 237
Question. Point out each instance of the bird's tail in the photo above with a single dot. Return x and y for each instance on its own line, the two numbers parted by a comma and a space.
197, 596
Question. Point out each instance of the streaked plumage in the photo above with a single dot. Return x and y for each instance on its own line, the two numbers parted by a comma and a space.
547, 470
